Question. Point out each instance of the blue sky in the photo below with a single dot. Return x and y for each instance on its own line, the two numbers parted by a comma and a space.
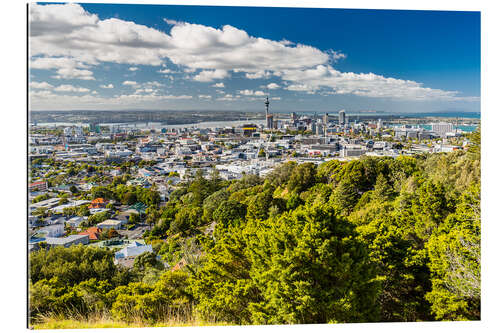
111, 57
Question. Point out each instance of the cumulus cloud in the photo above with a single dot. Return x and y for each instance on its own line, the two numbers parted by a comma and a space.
258, 75
204, 96
209, 76
195, 46
133, 69
336, 56
129, 83
228, 97
70, 88
272, 86
165, 71
109, 86
54, 18
66, 68
368, 85
172, 22
43, 99
248, 92
218, 85
69, 40
153, 84
41, 85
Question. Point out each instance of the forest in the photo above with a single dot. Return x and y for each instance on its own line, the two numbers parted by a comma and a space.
370, 240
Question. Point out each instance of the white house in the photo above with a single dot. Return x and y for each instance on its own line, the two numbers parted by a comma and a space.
133, 250
75, 222
111, 224
55, 230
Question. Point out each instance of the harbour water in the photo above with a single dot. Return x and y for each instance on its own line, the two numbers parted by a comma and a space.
234, 123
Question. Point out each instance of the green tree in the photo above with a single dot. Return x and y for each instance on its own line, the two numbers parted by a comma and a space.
455, 262
303, 177
311, 269
147, 260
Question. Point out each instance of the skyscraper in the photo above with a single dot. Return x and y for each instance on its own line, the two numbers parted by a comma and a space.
442, 128
269, 117
342, 117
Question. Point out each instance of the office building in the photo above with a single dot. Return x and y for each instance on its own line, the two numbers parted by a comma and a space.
342, 119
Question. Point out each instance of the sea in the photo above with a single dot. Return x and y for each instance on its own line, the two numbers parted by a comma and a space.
234, 123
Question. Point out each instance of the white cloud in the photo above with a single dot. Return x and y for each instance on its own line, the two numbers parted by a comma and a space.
248, 92
204, 96
172, 22
258, 75
218, 85
153, 84
92, 40
41, 85
298, 87
368, 85
44, 99
145, 91
70, 88
109, 86
272, 86
129, 83
66, 68
133, 69
45, 20
69, 40
336, 56
209, 76
164, 71
228, 97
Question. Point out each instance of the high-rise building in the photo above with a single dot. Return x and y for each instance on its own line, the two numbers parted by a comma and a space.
325, 119
319, 129
269, 121
442, 128
342, 118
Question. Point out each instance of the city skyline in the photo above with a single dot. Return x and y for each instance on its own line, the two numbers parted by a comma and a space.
108, 56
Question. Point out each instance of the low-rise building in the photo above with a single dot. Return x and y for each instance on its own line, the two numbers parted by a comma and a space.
111, 224
68, 240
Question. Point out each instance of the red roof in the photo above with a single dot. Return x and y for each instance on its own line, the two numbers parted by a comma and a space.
41, 182
93, 233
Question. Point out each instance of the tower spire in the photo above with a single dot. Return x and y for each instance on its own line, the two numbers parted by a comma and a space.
269, 117
267, 105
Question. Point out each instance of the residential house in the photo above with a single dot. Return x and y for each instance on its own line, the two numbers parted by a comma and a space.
111, 224
127, 255
75, 221
133, 250
68, 240
94, 233
56, 230
40, 186
98, 203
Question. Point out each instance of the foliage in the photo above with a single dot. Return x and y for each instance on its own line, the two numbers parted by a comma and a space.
373, 239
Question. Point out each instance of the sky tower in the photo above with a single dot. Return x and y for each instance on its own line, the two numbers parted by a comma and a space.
269, 117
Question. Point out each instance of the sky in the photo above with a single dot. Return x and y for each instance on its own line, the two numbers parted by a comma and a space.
165, 57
